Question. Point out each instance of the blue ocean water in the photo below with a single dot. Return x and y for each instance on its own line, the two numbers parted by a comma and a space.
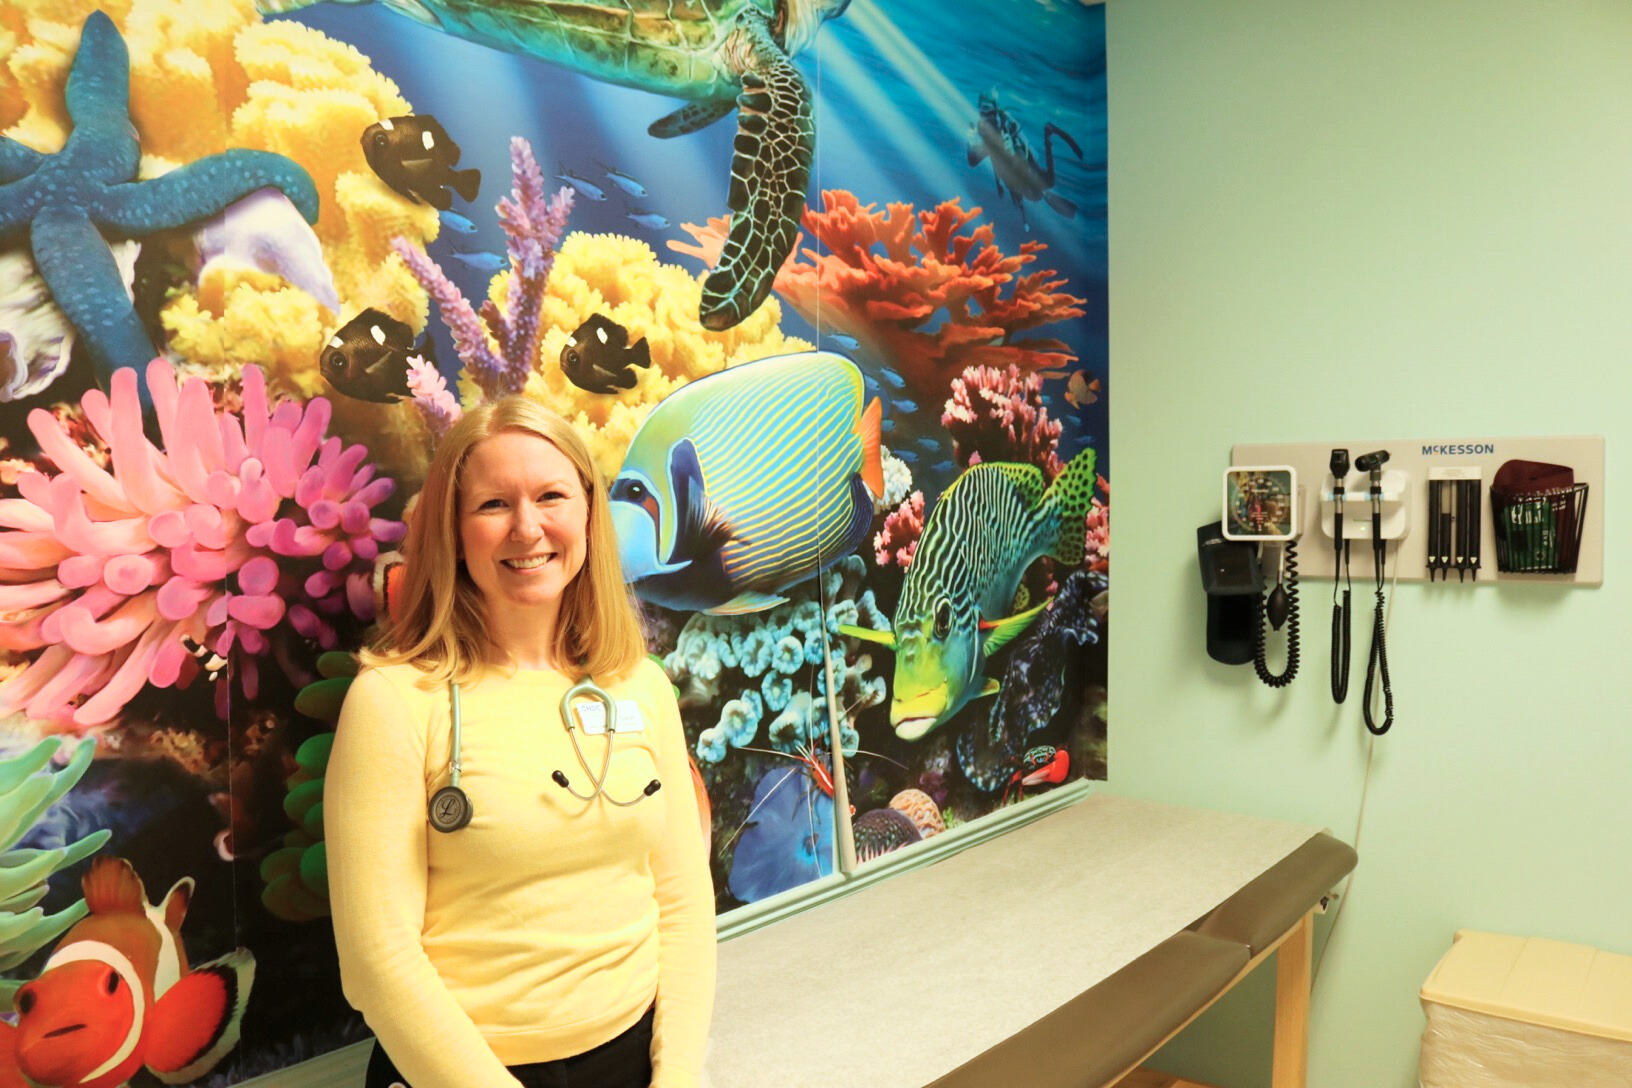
897, 86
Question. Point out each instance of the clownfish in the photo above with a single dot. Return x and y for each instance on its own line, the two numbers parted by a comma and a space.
118, 995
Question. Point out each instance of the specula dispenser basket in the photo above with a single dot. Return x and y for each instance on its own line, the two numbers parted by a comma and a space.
1539, 532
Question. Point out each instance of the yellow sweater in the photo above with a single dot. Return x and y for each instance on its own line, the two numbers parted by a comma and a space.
545, 927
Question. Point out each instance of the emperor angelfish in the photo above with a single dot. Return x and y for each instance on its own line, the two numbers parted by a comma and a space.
748, 481
959, 593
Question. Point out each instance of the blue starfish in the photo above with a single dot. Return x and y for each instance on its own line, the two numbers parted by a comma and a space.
69, 203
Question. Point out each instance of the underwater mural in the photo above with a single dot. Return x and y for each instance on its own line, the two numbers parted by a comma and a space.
822, 282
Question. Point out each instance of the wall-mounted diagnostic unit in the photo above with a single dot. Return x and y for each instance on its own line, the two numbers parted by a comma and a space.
1470, 512
1467, 512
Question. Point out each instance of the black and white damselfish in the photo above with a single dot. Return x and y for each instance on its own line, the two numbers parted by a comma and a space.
598, 357
415, 156
367, 357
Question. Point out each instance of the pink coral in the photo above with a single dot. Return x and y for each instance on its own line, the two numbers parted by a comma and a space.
72, 421
1099, 529
898, 540
431, 397
998, 415
243, 529
533, 227
916, 291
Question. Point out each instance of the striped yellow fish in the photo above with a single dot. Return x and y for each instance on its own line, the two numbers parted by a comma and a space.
982, 534
748, 481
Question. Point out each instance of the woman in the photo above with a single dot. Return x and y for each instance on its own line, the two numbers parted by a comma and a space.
553, 940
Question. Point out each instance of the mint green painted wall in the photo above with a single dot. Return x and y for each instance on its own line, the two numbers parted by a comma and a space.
1407, 218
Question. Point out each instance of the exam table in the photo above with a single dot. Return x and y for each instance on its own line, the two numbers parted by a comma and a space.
1058, 955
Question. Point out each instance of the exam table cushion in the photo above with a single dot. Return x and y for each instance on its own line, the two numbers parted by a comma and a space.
1098, 1035
1272, 903
1111, 1027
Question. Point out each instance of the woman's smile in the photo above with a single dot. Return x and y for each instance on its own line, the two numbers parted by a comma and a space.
523, 524
532, 562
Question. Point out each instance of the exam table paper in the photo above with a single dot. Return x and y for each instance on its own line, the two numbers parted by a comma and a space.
909, 978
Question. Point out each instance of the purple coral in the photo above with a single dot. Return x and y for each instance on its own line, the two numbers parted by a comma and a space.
533, 227
998, 415
245, 527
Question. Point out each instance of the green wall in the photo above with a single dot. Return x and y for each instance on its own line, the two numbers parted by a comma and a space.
1335, 221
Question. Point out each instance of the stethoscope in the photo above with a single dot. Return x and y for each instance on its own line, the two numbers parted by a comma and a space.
450, 807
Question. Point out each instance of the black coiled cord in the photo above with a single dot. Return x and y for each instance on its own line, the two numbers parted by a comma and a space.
1342, 622
1340, 648
1378, 662
1258, 661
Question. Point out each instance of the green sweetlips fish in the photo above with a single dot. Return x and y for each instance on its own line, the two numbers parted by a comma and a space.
956, 603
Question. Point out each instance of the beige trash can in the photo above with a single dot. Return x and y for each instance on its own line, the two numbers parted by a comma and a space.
1523, 1012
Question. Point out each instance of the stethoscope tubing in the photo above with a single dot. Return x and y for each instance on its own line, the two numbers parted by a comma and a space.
450, 808
588, 687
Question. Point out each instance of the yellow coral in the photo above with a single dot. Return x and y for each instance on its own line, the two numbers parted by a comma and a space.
623, 279
281, 329
210, 74
373, 215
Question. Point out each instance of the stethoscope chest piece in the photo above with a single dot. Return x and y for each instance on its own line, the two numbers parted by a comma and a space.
450, 809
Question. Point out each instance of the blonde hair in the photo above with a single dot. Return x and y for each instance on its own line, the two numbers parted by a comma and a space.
442, 626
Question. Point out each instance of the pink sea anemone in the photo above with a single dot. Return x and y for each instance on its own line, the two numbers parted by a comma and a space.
245, 529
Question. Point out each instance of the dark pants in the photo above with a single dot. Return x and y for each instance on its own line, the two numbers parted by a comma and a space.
623, 1062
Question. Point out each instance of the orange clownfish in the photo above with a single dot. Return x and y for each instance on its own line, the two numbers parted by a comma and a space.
117, 994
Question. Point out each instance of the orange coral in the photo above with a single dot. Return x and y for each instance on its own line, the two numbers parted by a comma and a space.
887, 275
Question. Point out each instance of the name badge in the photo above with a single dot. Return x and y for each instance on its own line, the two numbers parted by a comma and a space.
592, 717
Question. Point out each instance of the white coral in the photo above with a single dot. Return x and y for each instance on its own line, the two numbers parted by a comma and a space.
265, 232
36, 338
897, 482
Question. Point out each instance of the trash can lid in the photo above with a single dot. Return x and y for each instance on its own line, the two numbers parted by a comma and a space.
1536, 981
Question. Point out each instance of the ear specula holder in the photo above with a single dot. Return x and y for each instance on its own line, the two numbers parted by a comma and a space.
1539, 532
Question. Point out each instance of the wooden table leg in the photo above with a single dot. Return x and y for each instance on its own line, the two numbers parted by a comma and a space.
1292, 964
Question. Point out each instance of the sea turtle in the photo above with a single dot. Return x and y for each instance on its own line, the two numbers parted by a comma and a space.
719, 54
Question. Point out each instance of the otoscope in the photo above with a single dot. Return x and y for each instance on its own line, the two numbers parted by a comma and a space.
1342, 613
1372, 463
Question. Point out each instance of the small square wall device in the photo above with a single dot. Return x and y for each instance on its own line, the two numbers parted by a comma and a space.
1260, 502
